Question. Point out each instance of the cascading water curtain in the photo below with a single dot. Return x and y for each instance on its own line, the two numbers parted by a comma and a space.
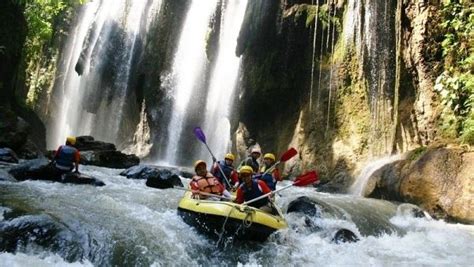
94, 76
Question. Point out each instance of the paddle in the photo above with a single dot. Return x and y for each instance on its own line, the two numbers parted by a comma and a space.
202, 193
200, 135
302, 180
286, 156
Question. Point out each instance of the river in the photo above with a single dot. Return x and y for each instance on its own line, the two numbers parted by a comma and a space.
127, 223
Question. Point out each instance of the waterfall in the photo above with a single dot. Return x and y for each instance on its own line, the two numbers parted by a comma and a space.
369, 29
93, 81
359, 184
321, 44
188, 71
224, 80
70, 80
316, 19
332, 65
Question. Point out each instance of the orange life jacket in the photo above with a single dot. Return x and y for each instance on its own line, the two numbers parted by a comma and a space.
208, 184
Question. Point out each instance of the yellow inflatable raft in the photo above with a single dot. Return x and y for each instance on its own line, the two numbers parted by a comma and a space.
218, 218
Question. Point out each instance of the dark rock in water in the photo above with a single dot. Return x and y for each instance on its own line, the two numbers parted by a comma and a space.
79, 178
20, 231
163, 179
304, 205
109, 159
41, 169
163, 182
5, 176
29, 151
310, 210
157, 177
136, 172
8, 155
30, 168
411, 210
86, 143
344, 236
185, 172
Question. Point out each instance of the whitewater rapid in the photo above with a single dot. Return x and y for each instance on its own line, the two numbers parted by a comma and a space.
127, 223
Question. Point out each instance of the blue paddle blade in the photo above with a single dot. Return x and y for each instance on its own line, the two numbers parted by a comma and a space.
200, 134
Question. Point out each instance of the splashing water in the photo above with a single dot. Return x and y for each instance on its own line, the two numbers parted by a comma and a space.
361, 181
127, 223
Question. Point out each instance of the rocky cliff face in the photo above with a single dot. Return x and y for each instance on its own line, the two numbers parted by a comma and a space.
20, 128
371, 89
12, 37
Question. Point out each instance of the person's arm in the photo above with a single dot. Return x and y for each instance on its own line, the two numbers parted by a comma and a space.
220, 185
77, 158
240, 196
56, 153
234, 177
227, 194
263, 187
194, 188
214, 168
277, 175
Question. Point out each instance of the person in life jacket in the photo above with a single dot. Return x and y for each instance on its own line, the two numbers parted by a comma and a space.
228, 169
273, 176
252, 159
66, 158
253, 188
205, 182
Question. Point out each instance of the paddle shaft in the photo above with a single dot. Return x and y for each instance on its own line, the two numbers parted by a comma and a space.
266, 195
218, 166
202, 193
271, 168
286, 156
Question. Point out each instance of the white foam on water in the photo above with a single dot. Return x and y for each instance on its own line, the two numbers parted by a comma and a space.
21, 259
143, 222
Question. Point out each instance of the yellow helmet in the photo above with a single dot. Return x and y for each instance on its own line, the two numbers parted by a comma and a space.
71, 140
269, 156
229, 156
199, 162
246, 169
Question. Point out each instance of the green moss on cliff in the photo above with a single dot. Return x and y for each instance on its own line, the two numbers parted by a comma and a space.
456, 84
48, 23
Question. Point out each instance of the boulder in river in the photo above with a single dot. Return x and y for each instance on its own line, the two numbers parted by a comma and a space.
41, 169
157, 177
8, 155
439, 180
29, 168
88, 143
80, 178
164, 179
109, 159
344, 236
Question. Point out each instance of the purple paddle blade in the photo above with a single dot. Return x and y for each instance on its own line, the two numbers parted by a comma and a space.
200, 134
